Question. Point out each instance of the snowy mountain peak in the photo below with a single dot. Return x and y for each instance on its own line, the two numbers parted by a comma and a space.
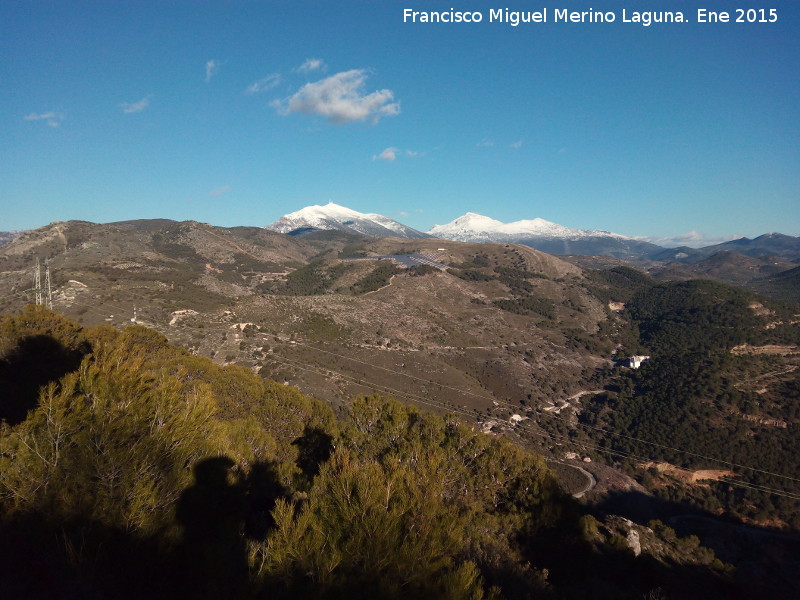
334, 216
470, 225
317, 212
473, 227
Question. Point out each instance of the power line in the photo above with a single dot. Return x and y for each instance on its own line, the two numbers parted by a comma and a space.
542, 413
545, 435
509, 405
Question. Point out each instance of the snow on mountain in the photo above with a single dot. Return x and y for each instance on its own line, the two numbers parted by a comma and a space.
334, 216
473, 227
543, 235
538, 233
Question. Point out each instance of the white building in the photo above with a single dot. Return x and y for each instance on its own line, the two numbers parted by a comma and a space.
634, 362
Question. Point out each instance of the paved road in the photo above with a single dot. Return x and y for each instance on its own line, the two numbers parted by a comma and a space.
589, 487
591, 480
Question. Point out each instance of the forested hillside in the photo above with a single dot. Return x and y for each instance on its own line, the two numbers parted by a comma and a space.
720, 392
130, 468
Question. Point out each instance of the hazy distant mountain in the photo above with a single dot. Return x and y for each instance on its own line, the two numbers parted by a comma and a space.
7, 236
769, 244
333, 216
683, 254
727, 266
543, 235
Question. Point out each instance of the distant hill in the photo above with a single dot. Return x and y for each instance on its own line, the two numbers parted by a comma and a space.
728, 266
784, 285
7, 236
762, 274
769, 244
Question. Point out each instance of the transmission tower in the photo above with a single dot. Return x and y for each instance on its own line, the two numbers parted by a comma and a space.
38, 290
37, 282
47, 285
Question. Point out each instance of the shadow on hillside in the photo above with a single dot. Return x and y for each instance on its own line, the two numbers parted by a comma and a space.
581, 571
767, 562
314, 448
34, 362
641, 508
203, 554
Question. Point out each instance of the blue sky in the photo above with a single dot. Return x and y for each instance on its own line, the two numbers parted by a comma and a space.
235, 113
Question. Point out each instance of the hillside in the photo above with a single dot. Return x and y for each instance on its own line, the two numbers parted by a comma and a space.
175, 477
7, 236
268, 300
719, 392
769, 275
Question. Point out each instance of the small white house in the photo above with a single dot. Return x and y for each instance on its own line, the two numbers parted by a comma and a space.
634, 362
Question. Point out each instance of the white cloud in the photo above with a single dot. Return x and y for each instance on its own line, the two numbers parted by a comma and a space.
53, 118
219, 191
312, 64
265, 84
211, 68
413, 153
135, 107
389, 154
516, 145
403, 213
340, 99
485, 143
693, 239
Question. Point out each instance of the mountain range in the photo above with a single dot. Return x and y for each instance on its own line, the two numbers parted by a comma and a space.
537, 233
769, 244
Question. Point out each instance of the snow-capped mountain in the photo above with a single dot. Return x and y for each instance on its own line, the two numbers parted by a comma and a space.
333, 216
543, 235
538, 233
473, 227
